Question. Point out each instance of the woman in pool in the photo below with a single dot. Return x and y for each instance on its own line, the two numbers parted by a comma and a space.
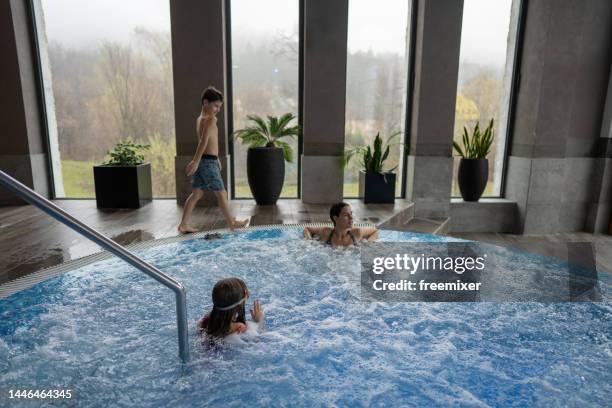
342, 234
227, 317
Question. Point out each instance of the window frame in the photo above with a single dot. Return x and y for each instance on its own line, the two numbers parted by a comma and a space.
230, 99
410, 78
42, 99
514, 87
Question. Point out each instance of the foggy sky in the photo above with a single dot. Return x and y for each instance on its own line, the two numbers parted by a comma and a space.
377, 26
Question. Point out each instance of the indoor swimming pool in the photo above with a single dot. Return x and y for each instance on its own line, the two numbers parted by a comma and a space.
108, 333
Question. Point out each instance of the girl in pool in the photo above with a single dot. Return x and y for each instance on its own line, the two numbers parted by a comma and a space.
342, 234
228, 314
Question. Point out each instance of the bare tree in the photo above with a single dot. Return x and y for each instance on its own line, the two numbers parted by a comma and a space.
117, 69
286, 45
132, 91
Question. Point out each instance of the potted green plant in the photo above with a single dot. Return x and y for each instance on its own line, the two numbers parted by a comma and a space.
123, 181
474, 165
267, 154
376, 185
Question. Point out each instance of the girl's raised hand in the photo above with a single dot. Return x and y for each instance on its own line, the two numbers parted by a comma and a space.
257, 313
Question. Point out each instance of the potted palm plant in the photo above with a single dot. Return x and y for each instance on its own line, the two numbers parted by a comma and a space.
123, 181
474, 165
376, 185
267, 154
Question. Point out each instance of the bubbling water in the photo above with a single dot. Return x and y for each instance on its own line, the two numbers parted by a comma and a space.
109, 333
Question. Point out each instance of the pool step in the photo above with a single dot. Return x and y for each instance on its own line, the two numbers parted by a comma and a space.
436, 226
398, 220
404, 220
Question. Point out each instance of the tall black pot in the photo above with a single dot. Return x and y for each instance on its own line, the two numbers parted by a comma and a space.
473, 175
266, 172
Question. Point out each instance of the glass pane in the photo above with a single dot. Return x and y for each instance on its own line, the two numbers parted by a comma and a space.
109, 63
265, 54
376, 74
485, 75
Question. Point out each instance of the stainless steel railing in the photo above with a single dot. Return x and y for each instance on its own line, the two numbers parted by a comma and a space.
62, 216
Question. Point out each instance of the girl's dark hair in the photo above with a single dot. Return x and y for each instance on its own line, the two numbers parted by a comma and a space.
226, 292
335, 210
212, 94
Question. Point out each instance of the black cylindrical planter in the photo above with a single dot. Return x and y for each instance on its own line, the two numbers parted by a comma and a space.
266, 172
473, 175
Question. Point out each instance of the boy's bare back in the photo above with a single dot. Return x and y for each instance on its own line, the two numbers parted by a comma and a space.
207, 127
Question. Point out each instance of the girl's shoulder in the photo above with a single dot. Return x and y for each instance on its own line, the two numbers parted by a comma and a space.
237, 328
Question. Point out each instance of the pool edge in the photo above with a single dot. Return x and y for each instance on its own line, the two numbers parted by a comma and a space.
17, 285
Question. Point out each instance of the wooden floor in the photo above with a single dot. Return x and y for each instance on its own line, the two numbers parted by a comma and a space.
31, 240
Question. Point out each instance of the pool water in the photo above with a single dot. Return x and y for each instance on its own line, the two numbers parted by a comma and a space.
108, 333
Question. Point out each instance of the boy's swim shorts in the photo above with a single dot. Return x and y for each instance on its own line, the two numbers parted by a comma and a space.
208, 175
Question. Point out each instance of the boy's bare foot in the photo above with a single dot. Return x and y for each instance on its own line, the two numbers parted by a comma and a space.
240, 224
186, 229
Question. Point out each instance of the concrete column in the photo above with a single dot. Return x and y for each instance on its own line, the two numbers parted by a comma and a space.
430, 163
198, 57
325, 49
599, 218
556, 152
22, 143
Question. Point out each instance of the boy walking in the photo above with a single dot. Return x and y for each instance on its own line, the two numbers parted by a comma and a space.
205, 166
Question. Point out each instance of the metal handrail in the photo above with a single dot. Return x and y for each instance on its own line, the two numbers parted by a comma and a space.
62, 216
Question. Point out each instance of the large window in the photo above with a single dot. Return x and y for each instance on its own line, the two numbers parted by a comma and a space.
488, 39
265, 55
107, 73
376, 88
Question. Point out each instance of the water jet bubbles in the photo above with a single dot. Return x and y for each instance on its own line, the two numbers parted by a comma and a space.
319, 339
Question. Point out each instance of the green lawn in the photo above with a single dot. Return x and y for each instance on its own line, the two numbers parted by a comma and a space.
78, 178
78, 183
351, 189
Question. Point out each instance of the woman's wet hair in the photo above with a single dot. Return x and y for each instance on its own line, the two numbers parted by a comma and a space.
335, 210
225, 293
211, 94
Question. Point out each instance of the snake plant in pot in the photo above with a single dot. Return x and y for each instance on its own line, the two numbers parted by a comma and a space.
474, 165
124, 181
376, 185
267, 154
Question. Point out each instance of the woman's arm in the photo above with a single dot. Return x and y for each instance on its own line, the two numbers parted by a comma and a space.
309, 232
370, 234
